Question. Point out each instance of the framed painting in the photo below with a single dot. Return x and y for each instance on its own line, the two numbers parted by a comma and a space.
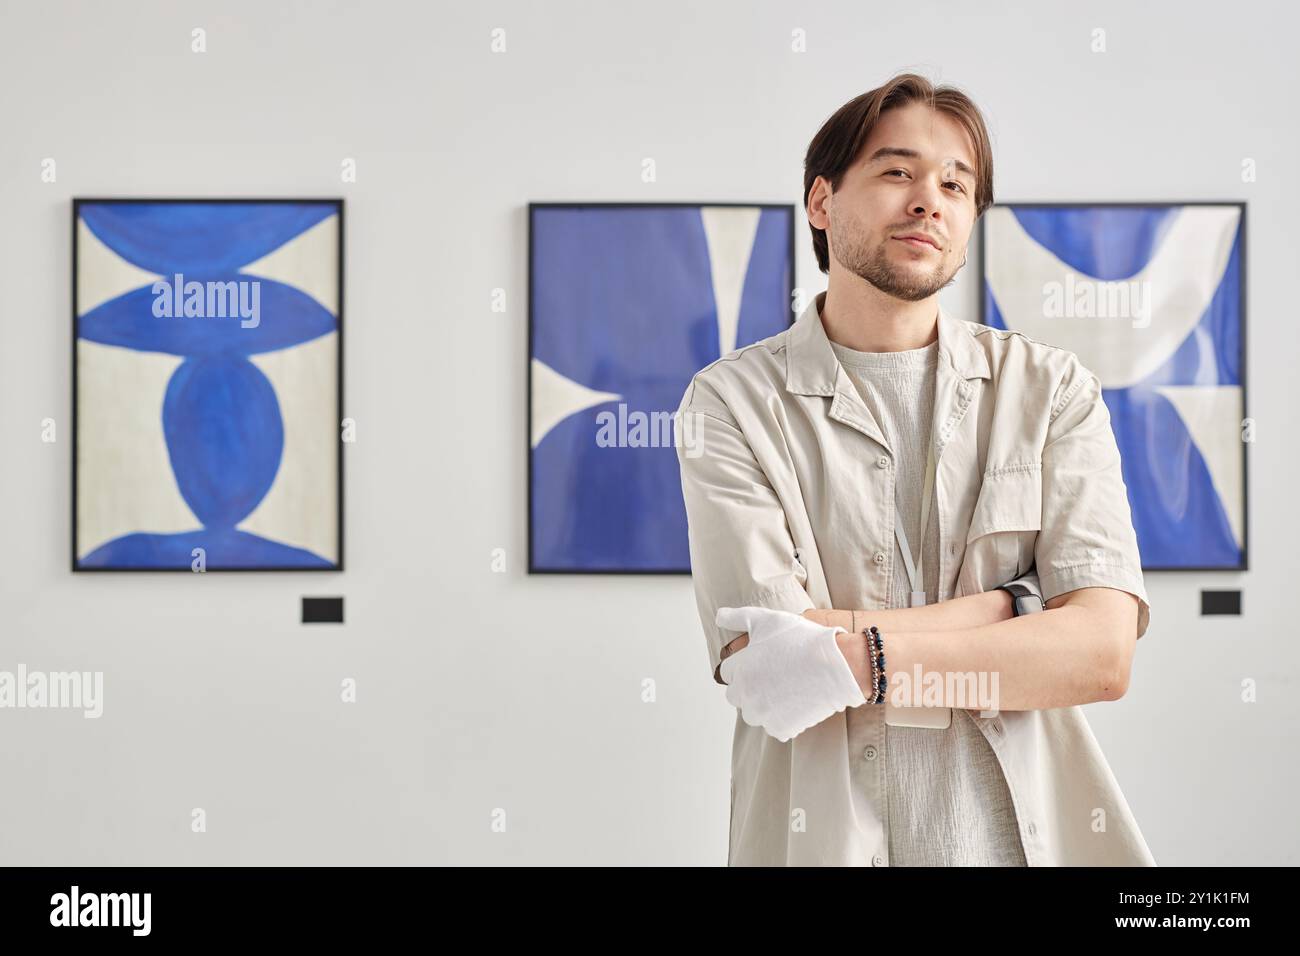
207, 385
627, 301
1152, 299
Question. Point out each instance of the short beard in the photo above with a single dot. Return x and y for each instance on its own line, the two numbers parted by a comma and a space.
874, 267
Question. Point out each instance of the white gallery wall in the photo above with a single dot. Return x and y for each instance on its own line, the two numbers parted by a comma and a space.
484, 694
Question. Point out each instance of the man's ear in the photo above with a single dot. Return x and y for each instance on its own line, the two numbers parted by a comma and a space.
819, 200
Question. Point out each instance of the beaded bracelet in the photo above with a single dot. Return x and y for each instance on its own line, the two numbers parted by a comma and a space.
876, 651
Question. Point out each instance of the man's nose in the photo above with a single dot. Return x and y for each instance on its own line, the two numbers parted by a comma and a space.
928, 219
925, 201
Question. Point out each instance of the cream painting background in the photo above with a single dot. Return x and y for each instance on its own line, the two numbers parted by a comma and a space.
125, 481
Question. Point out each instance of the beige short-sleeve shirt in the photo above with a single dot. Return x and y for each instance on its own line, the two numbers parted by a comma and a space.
789, 488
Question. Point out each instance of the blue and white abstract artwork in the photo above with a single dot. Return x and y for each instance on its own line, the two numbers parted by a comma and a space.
1150, 298
628, 302
206, 385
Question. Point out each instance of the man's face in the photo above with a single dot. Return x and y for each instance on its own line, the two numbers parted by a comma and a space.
929, 190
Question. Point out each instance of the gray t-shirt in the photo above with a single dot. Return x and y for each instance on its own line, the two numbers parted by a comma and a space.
947, 798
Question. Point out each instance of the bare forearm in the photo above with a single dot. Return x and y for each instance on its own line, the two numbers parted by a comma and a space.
969, 611
1055, 658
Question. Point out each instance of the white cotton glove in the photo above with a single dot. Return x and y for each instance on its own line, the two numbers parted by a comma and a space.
790, 675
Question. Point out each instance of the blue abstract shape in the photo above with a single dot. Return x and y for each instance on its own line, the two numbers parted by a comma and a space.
764, 303
170, 237
1177, 513
224, 436
1105, 242
605, 509
623, 303
644, 279
287, 317
223, 548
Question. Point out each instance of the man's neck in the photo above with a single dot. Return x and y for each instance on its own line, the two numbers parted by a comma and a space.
859, 316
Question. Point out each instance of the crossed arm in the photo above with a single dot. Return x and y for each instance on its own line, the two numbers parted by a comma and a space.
1079, 650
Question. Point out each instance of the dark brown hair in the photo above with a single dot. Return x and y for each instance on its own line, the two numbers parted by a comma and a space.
841, 138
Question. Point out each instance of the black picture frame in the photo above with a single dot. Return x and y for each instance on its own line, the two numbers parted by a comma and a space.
338, 204
533, 207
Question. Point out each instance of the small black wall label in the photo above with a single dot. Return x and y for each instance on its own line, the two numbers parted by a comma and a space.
322, 610
1220, 602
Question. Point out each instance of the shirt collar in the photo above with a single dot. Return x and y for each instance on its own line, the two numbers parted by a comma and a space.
812, 366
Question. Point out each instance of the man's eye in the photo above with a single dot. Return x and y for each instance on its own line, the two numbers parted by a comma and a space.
949, 183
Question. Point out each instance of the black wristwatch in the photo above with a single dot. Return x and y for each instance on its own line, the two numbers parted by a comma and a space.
1024, 600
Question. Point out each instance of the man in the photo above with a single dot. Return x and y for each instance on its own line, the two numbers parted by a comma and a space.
817, 443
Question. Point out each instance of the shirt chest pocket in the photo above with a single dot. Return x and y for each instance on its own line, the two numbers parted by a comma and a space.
1004, 527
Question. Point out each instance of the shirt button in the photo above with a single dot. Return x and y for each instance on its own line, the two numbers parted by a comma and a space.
882, 461
879, 557
869, 753
877, 860
1032, 829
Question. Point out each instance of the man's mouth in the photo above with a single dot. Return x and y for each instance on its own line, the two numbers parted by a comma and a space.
919, 243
